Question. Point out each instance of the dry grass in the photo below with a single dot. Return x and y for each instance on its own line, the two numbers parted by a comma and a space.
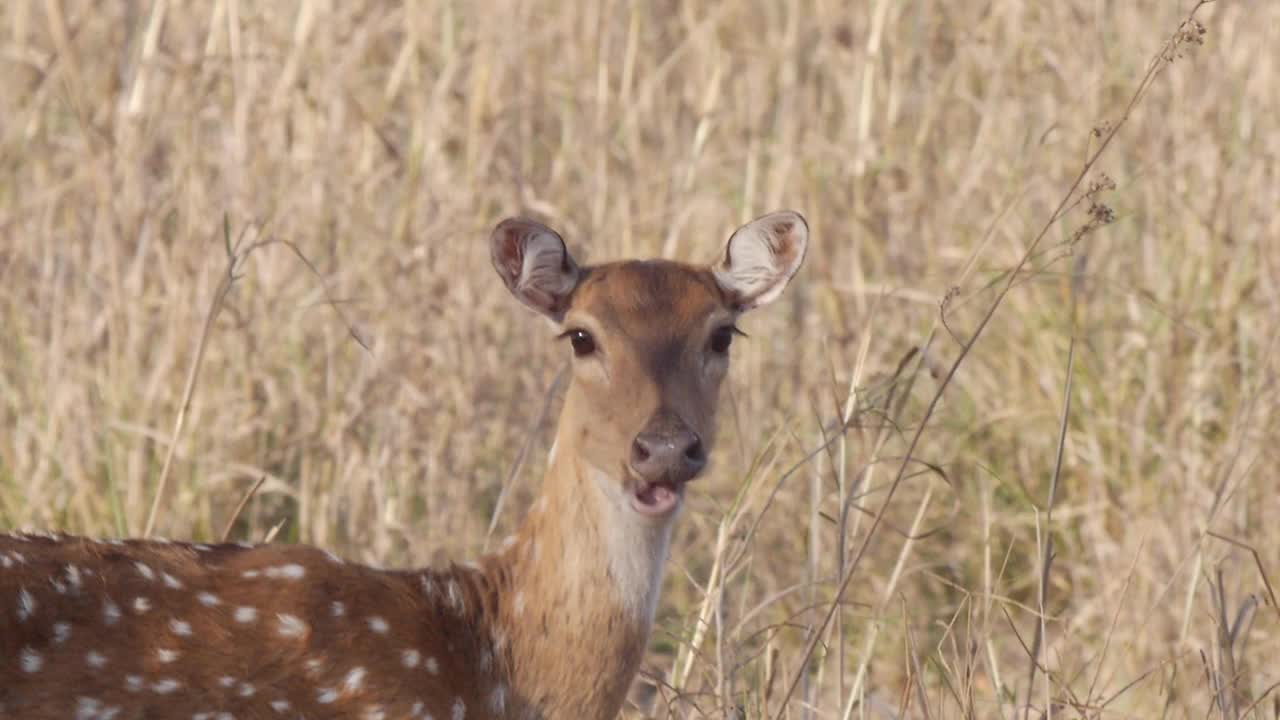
927, 143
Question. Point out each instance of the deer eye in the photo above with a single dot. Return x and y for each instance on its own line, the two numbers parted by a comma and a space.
582, 342
722, 338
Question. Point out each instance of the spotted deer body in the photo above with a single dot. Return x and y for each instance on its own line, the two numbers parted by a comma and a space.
552, 625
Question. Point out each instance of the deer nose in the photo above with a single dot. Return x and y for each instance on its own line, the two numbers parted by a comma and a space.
675, 455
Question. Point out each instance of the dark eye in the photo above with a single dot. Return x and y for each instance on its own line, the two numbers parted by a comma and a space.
582, 342
722, 338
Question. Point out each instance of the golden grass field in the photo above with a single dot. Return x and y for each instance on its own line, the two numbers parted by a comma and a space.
927, 143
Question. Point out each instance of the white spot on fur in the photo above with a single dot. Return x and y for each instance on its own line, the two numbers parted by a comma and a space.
410, 658
416, 710
133, 683
459, 710
171, 581
145, 571
110, 612
208, 599
280, 705
30, 660
226, 681
165, 686
337, 609
141, 605
95, 659
61, 631
290, 626
246, 614
250, 574
292, 571
326, 696
165, 655
455, 596
88, 708
314, 666
378, 625
26, 605
180, 627
332, 557
498, 700
247, 690
354, 680
432, 666
374, 712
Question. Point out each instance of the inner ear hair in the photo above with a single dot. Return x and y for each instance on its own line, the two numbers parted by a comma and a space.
761, 257
535, 265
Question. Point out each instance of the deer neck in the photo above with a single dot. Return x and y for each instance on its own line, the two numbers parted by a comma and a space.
582, 578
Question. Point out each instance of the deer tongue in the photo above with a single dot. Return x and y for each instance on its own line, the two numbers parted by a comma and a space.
656, 498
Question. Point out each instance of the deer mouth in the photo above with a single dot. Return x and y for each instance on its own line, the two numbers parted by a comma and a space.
656, 498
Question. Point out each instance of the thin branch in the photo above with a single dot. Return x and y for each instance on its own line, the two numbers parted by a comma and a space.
231, 521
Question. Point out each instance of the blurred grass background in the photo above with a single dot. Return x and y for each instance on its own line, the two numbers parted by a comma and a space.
925, 142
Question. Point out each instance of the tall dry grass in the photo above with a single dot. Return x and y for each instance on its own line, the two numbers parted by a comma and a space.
385, 392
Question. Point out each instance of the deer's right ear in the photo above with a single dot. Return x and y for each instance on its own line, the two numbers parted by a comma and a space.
533, 261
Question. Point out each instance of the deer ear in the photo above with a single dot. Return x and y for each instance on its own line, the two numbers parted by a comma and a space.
761, 257
534, 264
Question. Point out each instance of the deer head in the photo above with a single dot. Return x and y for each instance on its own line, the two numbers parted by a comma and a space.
650, 346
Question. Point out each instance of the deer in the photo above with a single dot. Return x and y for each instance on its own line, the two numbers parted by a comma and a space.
554, 624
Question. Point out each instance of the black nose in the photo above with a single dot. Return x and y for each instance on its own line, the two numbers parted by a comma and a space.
675, 455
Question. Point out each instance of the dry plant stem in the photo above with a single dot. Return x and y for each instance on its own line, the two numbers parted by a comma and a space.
231, 521
1223, 673
1219, 497
714, 583
1257, 559
869, 646
219, 297
516, 466
846, 493
1046, 559
236, 257
1115, 618
324, 287
1153, 70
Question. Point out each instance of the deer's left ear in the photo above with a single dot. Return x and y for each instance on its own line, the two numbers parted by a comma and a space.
535, 265
761, 257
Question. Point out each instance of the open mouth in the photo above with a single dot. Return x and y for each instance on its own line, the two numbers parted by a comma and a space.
656, 498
